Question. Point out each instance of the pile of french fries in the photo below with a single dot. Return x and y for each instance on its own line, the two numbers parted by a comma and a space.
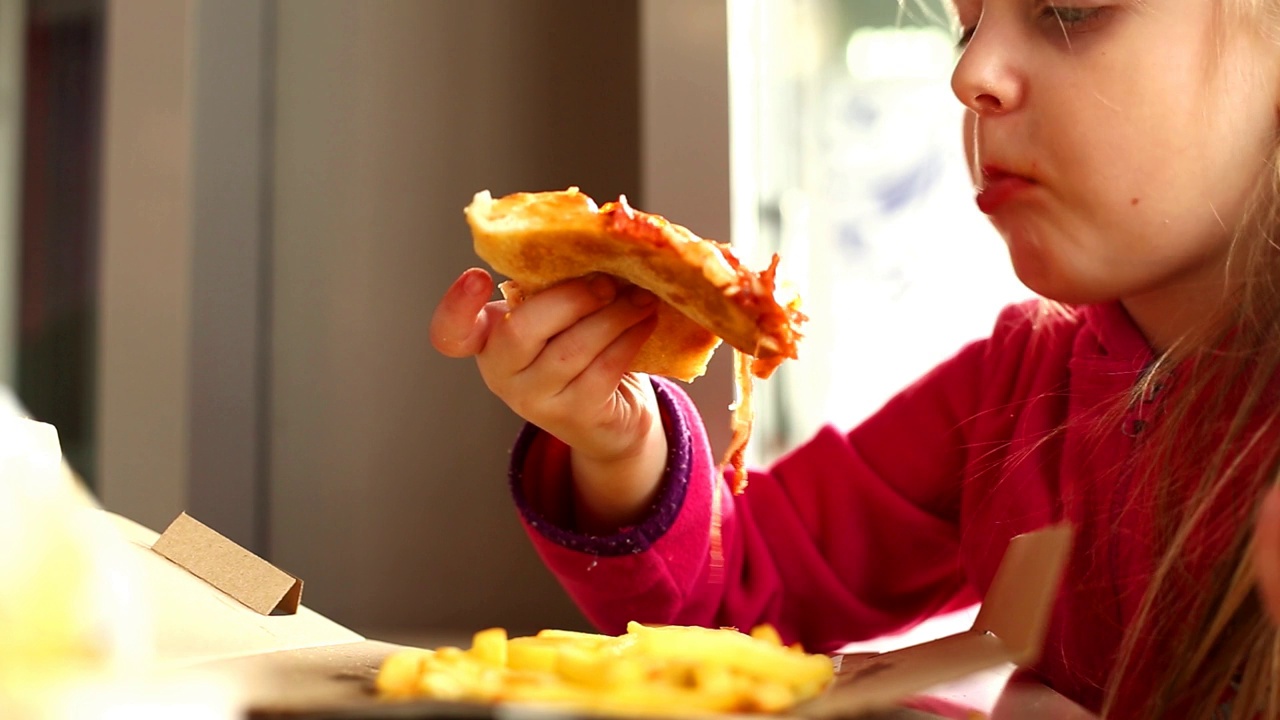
650, 669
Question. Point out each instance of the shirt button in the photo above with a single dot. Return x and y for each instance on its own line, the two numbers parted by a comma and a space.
1134, 426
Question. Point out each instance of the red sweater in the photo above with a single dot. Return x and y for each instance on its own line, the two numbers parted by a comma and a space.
857, 534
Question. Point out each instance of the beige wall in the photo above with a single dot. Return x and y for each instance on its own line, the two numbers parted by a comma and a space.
388, 461
180, 337
145, 304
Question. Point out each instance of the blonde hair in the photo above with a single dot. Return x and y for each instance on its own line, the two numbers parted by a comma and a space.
1215, 451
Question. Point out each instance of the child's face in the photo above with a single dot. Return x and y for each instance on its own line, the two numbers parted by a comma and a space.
1114, 142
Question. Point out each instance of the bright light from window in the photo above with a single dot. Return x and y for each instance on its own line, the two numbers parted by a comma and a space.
848, 162
907, 53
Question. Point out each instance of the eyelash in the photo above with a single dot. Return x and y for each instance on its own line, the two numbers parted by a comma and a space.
1060, 16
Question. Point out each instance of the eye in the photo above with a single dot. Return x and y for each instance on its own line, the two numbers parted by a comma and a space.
1070, 18
966, 14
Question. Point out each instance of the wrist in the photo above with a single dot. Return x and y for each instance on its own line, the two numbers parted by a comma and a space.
617, 492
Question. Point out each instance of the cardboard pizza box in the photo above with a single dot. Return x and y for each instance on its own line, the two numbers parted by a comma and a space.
1009, 629
221, 609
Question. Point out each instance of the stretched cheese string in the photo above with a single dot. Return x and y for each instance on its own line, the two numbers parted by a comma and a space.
735, 458
717, 543
740, 420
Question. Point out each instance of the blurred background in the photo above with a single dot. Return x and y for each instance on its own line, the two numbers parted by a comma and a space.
224, 225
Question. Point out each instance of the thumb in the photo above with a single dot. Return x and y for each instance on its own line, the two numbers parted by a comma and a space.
1267, 552
460, 324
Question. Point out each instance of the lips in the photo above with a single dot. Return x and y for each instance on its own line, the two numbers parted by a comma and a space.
999, 186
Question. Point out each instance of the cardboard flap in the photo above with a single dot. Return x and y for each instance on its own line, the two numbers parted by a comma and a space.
193, 622
225, 565
869, 682
1009, 628
1018, 604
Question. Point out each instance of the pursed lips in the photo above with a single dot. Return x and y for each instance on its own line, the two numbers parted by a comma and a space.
998, 187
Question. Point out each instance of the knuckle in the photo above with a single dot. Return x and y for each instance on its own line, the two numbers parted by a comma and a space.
612, 364
524, 406
516, 335
527, 401
570, 349
497, 386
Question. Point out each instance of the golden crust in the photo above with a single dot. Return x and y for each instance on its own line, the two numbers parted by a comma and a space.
540, 239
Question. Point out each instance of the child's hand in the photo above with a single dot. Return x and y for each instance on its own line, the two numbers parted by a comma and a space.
1267, 552
560, 360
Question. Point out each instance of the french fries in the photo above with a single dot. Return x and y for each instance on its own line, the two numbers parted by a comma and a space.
647, 670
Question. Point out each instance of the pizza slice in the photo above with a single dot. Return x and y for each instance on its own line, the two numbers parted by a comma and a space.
707, 296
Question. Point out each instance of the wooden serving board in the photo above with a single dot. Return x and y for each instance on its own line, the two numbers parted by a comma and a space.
305, 681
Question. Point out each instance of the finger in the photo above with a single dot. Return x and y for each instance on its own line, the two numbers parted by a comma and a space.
605, 373
1267, 552
460, 326
525, 332
571, 352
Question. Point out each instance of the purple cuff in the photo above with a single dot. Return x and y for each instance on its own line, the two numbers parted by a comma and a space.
661, 515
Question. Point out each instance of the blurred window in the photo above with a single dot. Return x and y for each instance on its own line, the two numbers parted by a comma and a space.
847, 160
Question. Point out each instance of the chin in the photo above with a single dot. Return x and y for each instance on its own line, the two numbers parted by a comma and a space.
1050, 275
1045, 278
1060, 287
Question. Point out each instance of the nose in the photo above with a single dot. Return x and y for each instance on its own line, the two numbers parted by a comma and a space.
987, 78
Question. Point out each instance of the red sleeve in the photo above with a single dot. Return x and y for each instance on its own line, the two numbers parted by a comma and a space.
847, 537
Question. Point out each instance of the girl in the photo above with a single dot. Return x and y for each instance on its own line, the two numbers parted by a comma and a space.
1127, 153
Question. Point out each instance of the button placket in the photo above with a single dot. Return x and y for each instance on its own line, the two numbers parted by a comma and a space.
1138, 417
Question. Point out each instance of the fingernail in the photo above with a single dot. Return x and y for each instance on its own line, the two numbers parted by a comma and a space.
641, 297
474, 285
602, 287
